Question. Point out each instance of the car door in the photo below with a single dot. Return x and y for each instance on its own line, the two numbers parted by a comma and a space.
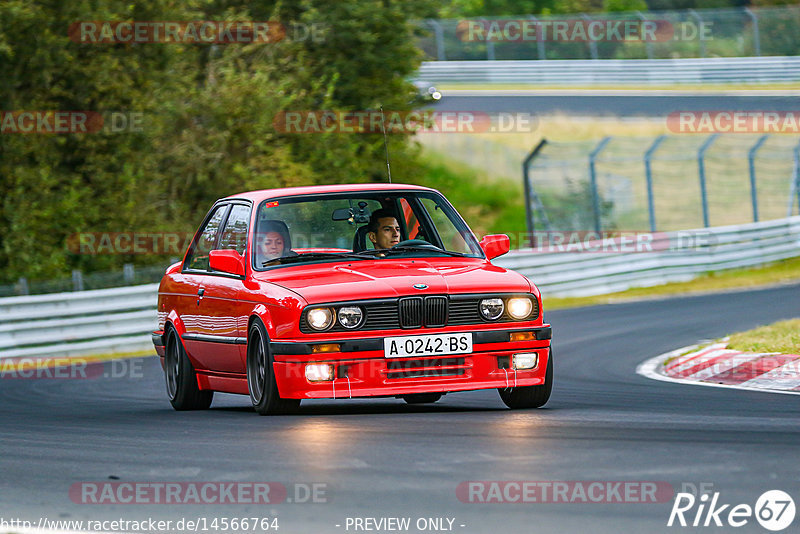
195, 275
220, 332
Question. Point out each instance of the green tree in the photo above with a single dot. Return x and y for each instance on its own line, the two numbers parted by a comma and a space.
209, 116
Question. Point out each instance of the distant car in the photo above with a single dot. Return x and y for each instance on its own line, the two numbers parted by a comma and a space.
426, 91
288, 294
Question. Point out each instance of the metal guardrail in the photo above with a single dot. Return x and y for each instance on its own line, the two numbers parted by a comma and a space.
120, 320
103, 321
614, 71
676, 257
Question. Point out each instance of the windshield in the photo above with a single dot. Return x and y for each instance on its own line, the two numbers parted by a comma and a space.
359, 225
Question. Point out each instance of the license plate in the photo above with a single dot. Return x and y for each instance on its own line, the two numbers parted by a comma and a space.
432, 345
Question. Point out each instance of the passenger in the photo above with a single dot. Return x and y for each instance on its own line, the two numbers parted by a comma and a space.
274, 241
272, 246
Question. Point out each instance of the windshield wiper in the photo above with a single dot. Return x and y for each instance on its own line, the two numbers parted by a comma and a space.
423, 248
311, 256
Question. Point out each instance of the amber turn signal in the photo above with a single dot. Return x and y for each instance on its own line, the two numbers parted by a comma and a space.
328, 347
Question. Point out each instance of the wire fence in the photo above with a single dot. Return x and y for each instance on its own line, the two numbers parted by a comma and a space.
658, 183
669, 182
729, 32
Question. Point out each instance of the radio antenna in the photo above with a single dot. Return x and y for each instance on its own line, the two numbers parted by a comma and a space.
386, 146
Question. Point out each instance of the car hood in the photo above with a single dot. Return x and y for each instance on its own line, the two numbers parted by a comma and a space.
367, 279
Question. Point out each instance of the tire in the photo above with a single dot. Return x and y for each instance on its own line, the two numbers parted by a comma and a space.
261, 377
530, 396
181, 379
422, 398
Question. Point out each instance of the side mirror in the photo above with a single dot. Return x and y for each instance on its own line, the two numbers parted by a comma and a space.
226, 261
495, 245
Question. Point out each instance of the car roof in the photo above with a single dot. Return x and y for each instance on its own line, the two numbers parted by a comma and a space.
257, 196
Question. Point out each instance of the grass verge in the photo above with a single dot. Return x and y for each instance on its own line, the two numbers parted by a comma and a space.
783, 337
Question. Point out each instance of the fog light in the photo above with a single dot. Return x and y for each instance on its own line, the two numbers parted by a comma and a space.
526, 360
319, 372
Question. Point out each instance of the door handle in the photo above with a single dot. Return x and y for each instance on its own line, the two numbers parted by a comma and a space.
200, 293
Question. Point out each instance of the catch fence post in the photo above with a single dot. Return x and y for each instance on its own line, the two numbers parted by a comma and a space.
700, 41
795, 187
526, 181
77, 280
648, 173
701, 169
438, 35
756, 33
489, 43
751, 160
647, 44
593, 180
539, 38
592, 43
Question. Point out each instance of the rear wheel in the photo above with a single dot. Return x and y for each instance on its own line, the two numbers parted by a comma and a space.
261, 376
182, 389
530, 396
422, 398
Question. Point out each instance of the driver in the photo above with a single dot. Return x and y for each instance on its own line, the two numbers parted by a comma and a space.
383, 229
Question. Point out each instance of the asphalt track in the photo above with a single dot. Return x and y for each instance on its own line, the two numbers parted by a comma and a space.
381, 458
615, 105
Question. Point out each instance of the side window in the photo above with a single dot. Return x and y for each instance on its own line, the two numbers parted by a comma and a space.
198, 257
234, 236
451, 238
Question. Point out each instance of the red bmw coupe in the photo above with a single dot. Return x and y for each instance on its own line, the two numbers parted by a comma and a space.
336, 292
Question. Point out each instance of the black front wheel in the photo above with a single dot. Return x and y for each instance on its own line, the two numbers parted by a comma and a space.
261, 376
530, 396
182, 389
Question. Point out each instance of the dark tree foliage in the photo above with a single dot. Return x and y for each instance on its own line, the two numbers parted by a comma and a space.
208, 127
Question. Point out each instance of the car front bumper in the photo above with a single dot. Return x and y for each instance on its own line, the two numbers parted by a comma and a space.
361, 370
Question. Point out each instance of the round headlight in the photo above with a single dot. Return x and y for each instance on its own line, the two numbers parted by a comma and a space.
320, 318
350, 316
492, 308
520, 307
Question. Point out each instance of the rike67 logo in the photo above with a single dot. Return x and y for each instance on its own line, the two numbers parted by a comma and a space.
774, 510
